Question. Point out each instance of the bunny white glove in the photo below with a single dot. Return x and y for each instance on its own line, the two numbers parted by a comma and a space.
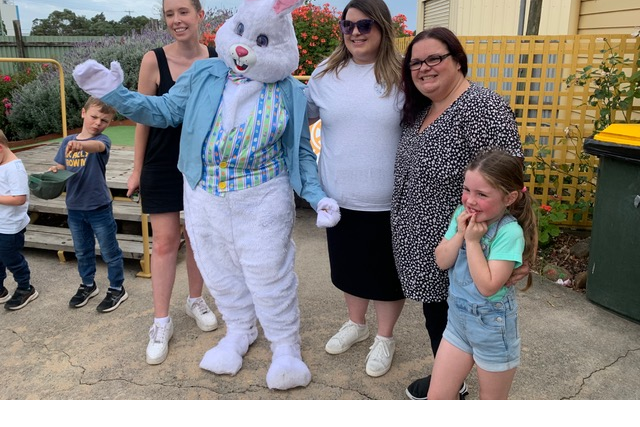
328, 213
95, 79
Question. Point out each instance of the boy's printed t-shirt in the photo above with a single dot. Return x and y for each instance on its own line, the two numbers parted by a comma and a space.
14, 181
87, 189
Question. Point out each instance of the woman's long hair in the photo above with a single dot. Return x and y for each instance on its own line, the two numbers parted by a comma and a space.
387, 68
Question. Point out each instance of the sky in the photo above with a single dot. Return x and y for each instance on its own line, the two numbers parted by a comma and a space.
115, 10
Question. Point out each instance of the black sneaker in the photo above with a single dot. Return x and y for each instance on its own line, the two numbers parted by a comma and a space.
113, 299
419, 389
4, 295
83, 295
20, 298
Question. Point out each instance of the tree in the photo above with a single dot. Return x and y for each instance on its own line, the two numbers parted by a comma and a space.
67, 23
133, 23
55, 24
533, 23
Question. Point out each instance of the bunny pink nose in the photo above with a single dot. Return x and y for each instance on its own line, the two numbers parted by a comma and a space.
241, 51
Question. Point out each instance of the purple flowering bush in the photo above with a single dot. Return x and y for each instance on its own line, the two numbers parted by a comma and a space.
35, 107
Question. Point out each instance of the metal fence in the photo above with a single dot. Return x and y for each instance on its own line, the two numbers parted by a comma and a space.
36, 47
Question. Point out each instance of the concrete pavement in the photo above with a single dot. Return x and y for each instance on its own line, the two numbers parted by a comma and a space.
572, 349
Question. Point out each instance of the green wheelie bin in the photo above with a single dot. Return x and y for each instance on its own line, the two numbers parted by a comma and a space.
613, 278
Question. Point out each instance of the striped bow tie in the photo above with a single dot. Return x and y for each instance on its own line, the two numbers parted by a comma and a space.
238, 78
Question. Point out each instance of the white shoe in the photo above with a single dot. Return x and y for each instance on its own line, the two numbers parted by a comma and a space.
158, 347
349, 334
205, 318
380, 357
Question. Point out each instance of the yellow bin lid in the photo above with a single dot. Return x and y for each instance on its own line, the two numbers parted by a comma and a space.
620, 133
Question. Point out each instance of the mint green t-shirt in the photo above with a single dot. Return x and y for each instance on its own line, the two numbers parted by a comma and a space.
506, 245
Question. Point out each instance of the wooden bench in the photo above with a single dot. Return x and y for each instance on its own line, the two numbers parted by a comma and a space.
133, 246
59, 239
125, 210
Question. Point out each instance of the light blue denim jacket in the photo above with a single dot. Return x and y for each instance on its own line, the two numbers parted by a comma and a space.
194, 100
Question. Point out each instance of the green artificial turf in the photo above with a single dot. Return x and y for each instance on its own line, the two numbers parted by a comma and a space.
119, 135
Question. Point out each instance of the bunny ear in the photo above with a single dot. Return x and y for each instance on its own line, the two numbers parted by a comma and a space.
286, 6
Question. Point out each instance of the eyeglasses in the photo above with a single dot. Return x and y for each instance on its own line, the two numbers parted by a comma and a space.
364, 26
431, 61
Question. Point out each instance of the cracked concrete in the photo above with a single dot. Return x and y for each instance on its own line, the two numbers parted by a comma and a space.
572, 349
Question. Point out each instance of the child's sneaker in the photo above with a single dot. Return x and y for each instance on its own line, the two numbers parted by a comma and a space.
4, 295
200, 311
158, 347
112, 300
20, 298
83, 295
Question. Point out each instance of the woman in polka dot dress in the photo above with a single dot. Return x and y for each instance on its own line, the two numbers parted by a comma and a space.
446, 121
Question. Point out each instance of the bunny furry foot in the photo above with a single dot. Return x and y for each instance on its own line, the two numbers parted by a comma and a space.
226, 357
287, 369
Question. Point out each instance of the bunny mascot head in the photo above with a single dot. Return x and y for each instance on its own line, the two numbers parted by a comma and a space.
259, 42
244, 146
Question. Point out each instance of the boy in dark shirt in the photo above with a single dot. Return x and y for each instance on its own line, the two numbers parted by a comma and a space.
90, 213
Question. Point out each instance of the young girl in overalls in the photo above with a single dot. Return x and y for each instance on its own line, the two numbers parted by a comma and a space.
490, 234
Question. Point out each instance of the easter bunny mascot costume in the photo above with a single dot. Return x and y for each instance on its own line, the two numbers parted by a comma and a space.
244, 146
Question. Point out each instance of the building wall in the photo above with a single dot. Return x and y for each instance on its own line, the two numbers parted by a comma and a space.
503, 17
485, 17
609, 16
8, 14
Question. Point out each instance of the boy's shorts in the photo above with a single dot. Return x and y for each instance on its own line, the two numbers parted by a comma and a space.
489, 332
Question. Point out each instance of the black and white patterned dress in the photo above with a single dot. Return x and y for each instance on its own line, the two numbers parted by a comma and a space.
429, 173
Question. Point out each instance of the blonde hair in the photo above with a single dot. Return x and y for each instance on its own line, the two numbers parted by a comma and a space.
104, 108
388, 66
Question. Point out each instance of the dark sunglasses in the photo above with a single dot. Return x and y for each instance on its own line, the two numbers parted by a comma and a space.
364, 26
431, 61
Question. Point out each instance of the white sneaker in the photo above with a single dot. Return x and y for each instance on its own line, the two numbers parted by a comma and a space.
349, 334
205, 318
158, 346
380, 357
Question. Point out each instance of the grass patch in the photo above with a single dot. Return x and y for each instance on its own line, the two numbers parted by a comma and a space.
120, 135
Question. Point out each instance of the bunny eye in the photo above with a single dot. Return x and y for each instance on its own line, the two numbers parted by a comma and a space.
262, 40
240, 28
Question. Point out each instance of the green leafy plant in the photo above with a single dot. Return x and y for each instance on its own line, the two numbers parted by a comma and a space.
613, 90
317, 32
568, 172
36, 107
548, 218
11, 83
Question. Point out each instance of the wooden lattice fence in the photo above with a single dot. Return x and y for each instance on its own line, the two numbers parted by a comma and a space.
530, 72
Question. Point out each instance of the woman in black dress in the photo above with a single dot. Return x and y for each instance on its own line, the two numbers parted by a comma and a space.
159, 181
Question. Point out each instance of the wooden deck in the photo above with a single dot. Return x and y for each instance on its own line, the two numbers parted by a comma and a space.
135, 246
40, 159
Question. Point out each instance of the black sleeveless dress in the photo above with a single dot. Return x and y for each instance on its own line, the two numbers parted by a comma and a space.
160, 180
